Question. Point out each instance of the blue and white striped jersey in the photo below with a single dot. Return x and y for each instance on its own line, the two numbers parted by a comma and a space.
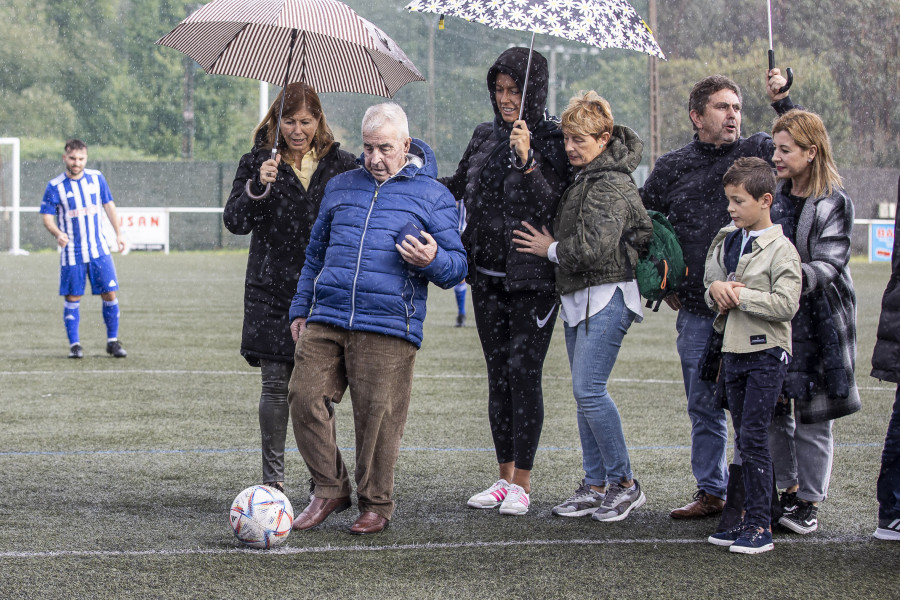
78, 206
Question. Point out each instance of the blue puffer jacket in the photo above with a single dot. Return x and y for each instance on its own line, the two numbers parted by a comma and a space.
353, 276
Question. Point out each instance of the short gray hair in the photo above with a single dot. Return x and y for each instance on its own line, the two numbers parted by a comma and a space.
379, 115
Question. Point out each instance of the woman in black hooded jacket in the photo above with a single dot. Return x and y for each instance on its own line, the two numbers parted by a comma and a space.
513, 170
886, 366
279, 223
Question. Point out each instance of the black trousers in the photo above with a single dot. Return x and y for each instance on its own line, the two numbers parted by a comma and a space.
515, 330
753, 384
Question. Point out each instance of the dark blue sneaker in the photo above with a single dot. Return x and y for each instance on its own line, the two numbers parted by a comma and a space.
727, 537
754, 540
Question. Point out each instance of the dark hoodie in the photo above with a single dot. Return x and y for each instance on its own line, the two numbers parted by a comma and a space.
886, 356
499, 197
280, 226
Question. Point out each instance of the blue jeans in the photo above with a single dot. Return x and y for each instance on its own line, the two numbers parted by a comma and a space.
889, 476
753, 384
709, 426
592, 353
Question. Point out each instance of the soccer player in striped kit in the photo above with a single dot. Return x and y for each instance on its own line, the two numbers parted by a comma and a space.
71, 212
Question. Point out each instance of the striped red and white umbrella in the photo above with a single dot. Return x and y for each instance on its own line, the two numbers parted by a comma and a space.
323, 43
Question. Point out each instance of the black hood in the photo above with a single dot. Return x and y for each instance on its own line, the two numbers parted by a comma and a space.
514, 62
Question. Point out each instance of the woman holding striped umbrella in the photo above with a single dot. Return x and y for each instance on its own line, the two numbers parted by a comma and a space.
279, 224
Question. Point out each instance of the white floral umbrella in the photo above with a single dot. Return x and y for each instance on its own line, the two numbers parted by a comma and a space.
600, 23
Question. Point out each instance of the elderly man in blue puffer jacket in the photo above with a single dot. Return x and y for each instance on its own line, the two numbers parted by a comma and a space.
383, 232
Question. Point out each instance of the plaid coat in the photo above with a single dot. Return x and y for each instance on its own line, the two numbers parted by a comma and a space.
822, 238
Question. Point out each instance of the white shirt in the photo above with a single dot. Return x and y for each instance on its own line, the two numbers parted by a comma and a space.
589, 301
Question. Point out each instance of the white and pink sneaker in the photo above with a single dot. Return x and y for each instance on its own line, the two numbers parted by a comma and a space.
516, 501
491, 497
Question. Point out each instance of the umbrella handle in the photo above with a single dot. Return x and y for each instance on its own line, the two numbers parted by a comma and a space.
253, 196
788, 72
268, 189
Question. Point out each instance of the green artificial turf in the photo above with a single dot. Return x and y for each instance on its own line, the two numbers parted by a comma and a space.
116, 475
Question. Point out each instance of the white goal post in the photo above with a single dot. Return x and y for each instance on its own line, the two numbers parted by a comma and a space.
11, 190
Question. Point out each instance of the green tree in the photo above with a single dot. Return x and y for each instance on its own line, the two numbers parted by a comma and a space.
855, 40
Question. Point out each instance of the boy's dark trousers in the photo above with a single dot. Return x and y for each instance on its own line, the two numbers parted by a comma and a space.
752, 386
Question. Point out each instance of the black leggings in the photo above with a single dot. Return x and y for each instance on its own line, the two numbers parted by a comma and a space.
515, 330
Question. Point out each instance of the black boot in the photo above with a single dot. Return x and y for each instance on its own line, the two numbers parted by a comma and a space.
733, 512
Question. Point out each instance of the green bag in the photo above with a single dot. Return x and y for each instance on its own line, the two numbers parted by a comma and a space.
662, 269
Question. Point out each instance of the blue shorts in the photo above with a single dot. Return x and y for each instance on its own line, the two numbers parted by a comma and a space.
100, 271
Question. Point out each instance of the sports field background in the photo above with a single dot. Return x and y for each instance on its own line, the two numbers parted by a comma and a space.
116, 475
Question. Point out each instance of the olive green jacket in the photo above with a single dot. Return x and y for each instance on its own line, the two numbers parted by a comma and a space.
601, 225
772, 276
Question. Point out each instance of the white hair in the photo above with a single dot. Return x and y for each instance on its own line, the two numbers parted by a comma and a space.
379, 115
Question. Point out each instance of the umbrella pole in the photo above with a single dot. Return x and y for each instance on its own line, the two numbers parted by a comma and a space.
287, 72
527, 73
789, 72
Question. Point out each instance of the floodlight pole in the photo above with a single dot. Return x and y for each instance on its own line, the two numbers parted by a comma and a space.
654, 95
263, 100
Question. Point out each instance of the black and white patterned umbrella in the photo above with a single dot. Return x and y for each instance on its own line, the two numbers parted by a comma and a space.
322, 43
600, 23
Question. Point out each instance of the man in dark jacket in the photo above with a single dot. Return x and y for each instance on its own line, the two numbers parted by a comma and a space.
359, 309
886, 366
686, 186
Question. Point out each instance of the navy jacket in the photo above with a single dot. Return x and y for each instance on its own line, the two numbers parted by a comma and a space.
353, 276
686, 186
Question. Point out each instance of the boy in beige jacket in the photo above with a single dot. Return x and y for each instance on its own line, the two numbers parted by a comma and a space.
752, 280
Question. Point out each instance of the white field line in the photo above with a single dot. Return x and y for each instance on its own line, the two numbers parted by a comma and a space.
256, 374
395, 547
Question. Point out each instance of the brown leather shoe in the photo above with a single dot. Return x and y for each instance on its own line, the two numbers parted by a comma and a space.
369, 522
704, 505
318, 510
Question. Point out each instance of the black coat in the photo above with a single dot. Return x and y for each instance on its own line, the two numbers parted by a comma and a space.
279, 226
886, 357
499, 197
686, 186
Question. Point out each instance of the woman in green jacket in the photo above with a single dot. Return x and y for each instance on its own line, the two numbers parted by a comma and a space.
600, 229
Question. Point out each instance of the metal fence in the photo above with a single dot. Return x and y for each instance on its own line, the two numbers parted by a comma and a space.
183, 186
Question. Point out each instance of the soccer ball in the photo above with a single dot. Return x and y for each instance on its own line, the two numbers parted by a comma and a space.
261, 517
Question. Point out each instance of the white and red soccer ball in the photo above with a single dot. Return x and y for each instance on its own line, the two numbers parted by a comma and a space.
261, 517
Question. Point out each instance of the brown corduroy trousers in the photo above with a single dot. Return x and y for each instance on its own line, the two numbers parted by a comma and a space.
378, 371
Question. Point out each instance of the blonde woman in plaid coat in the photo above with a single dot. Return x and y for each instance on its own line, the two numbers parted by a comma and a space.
824, 329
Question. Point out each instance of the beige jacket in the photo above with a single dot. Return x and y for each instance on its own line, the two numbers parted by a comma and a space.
772, 276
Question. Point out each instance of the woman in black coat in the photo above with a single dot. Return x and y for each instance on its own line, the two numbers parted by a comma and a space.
276, 201
515, 169
886, 366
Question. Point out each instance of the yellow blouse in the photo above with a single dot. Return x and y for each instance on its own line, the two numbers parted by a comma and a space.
308, 165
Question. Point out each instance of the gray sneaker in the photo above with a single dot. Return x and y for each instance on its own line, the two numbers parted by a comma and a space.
583, 502
619, 502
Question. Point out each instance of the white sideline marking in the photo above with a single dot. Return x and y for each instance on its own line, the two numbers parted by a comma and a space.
415, 376
256, 373
394, 547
